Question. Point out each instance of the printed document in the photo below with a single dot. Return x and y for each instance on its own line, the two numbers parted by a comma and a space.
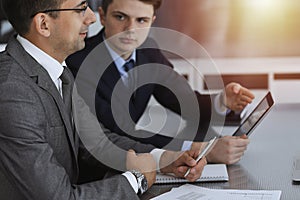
193, 192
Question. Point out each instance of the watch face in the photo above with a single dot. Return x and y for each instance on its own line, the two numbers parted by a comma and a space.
144, 184
141, 180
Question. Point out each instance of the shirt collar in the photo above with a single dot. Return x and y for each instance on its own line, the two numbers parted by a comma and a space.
52, 66
118, 60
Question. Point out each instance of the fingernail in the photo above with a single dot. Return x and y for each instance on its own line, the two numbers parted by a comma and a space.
236, 89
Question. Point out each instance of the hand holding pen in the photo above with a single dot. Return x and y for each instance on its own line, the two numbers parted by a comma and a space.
204, 152
179, 162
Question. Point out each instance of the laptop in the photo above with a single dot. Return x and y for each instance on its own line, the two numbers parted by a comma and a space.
256, 116
296, 169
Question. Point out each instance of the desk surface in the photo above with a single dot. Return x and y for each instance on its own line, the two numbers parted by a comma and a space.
268, 161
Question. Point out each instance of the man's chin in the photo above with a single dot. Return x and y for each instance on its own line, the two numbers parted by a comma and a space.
79, 47
128, 48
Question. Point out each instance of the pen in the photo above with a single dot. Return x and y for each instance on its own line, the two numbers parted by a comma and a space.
203, 153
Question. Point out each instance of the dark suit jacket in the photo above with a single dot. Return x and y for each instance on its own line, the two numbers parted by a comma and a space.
95, 52
39, 152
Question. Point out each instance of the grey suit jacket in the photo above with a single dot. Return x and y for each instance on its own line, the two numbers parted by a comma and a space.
38, 148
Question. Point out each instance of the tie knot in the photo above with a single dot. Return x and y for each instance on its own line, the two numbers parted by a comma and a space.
66, 76
128, 65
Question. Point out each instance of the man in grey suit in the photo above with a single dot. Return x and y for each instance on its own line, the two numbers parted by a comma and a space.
39, 125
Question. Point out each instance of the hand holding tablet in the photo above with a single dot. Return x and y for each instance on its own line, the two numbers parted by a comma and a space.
256, 116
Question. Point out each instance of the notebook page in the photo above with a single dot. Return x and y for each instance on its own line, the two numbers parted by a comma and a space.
211, 172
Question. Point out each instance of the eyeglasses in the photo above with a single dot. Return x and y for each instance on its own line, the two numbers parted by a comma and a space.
84, 5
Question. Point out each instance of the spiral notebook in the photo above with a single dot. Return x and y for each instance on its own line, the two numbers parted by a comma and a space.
211, 172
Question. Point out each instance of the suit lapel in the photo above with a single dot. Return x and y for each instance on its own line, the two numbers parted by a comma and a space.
52, 90
110, 75
43, 80
140, 60
143, 94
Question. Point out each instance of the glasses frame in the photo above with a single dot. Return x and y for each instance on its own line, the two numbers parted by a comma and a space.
63, 9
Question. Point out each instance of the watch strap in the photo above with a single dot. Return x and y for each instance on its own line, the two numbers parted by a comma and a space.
141, 181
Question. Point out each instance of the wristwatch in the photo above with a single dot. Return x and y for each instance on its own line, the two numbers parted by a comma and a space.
141, 181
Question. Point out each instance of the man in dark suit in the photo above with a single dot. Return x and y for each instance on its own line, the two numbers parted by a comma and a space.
41, 120
126, 27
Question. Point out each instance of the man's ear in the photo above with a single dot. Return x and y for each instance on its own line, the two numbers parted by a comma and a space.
102, 16
41, 24
153, 18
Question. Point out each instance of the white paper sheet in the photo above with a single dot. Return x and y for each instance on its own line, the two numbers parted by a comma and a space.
192, 192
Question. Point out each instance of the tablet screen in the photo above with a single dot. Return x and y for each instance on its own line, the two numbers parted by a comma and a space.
256, 116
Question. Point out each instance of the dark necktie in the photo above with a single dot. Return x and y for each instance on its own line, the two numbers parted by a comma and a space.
131, 76
67, 88
128, 65
130, 79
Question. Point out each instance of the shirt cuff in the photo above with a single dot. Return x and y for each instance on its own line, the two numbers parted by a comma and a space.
156, 153
186, 145
132, 181
219, 106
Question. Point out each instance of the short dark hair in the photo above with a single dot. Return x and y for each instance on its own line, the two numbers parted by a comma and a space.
19, 12
156, 4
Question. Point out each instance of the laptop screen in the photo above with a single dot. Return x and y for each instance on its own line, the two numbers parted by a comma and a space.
256, 116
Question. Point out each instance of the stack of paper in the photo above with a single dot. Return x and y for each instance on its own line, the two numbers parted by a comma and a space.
192, 192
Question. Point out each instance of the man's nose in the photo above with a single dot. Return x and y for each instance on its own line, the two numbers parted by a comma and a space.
130, 25
90, 16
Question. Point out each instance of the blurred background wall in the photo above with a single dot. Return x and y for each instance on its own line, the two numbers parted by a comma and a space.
248, 41
237, 28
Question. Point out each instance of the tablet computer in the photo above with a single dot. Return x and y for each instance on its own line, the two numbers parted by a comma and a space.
296, 169
256, 116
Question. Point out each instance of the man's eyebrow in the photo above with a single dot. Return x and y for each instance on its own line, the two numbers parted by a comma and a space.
119, 12
124, 14
81, 3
